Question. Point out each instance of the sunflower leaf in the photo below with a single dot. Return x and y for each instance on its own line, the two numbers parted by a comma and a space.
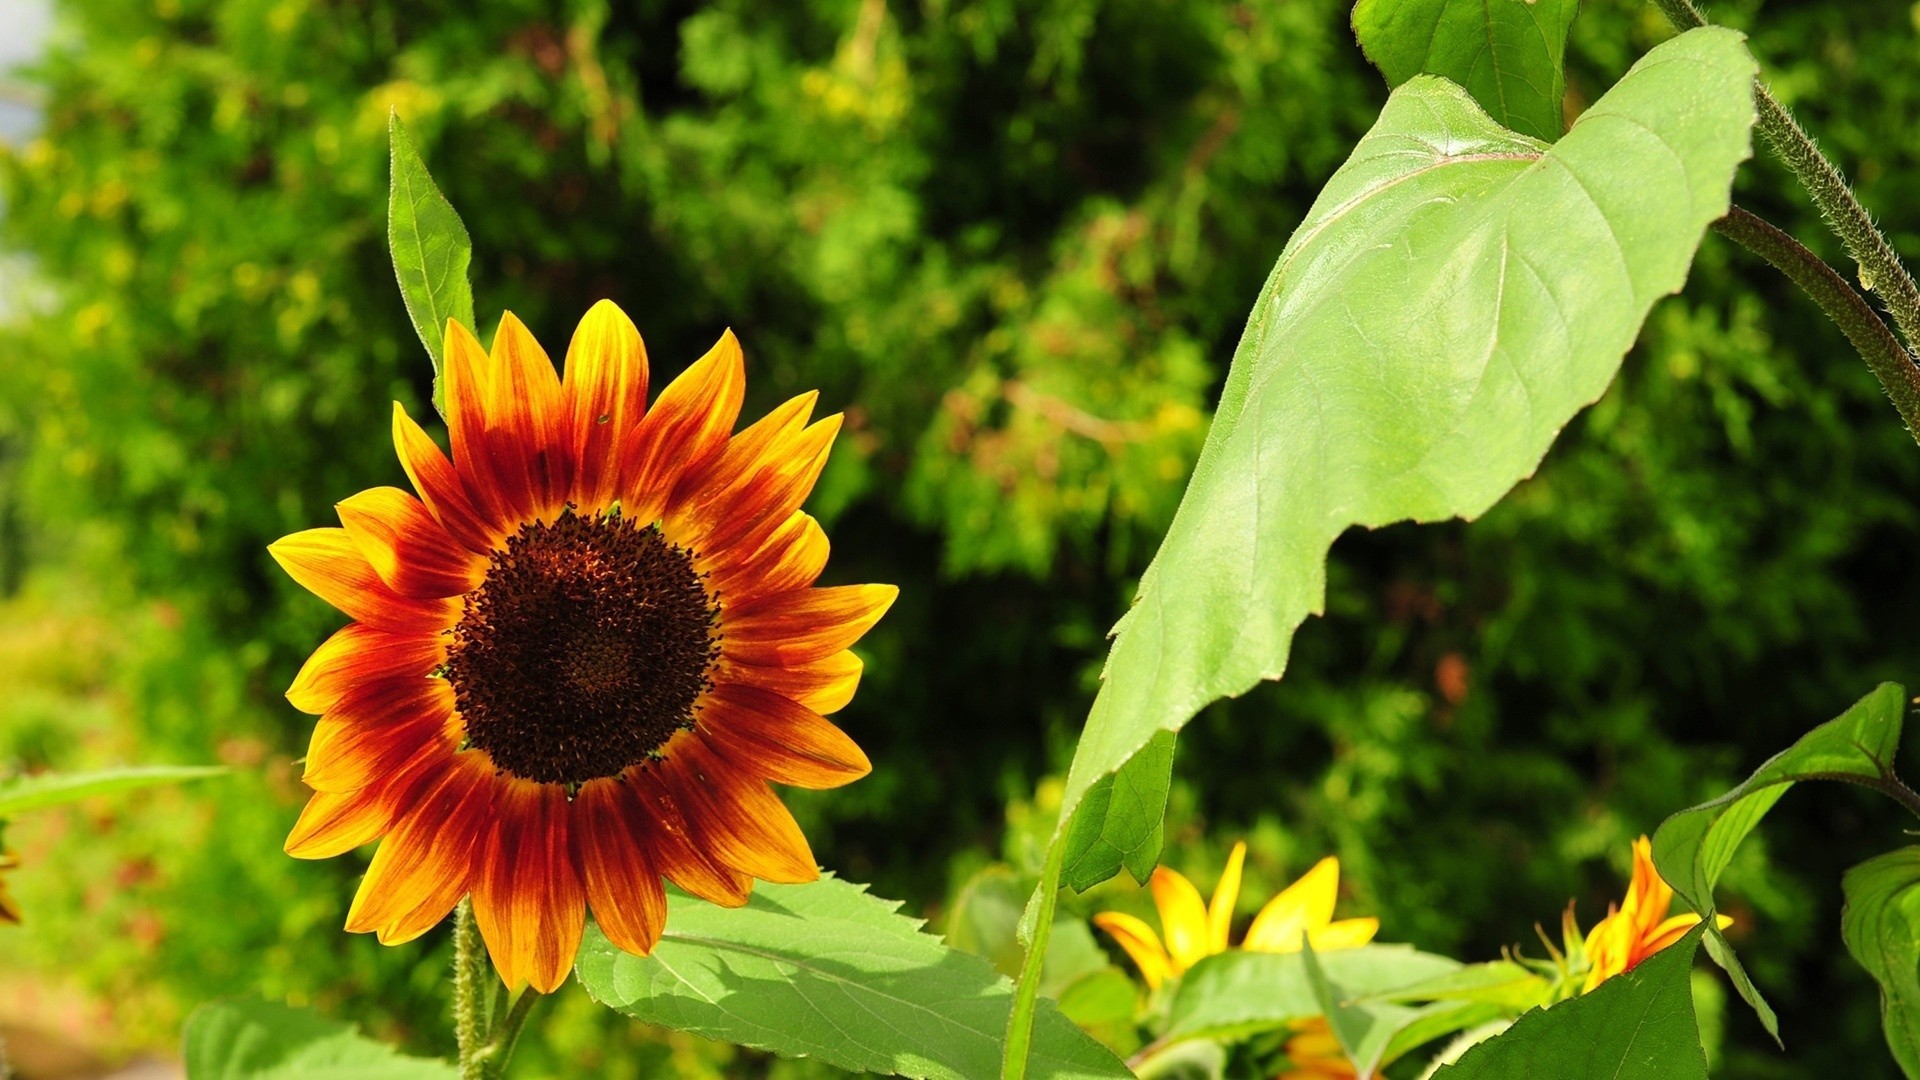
1238, 993
826, 971
1694, 846
1881, 926
431, 252
251, 1039
1636, 1026
1455, 296
24, 793
1507, 53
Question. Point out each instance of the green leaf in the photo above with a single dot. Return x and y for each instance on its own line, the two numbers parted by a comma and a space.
983, 922
1497, 982
1693, 847
1239, 993
1881, 926
250, 1039
824, 970
24, 793
1454, 297
1635, 1026
431, 252
1507, 53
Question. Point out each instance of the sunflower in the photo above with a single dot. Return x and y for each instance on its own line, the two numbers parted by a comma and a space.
579, 656
1193, 929
1639, 926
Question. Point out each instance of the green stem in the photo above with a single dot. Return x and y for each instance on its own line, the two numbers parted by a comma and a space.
1880, 268
492, 1058
476, 994
1899, 375
1026, 997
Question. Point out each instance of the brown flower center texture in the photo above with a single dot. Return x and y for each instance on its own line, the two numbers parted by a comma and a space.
584, 650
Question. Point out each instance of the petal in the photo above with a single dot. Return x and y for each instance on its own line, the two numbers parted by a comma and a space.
328, 564
736, 817
744, 453
1140, 942
685, 430
527, 898
425, 864
486, 478
375, 729
407, 547
1344, 934
526, 428
357, 653
792, 558
805, 625
745, 511
439, 485
337, 822
605, 390
1183, 917
824, 685
674, 847
1225, 895
1303, 906
765, 734
623, 885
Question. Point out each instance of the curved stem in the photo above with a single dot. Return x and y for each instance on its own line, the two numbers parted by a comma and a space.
1880, 268
1899, 375
492, 1058
476, 994
1026, 997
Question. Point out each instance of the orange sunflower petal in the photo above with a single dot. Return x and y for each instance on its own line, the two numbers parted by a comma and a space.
605, 390
744, 452
358, 653
527, 898
763, 733
678, 853
526, 428
1140, 942
685, 430
440, 486
425, 865
792, 558
736, 816
807, 625
623, 885
483, 473
329, 565
336, 822
824, 685
407, 547
375, 729
746, 511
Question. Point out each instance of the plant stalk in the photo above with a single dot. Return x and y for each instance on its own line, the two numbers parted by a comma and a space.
1026, 996
1892, 364
1881, 270
476, 995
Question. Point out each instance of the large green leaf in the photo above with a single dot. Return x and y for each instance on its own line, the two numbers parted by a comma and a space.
431, 251
1238, 993
826, 971
1881, 926
252, 1039
1693, 847
1454, 297
1507, 53
24, 793
1636, 1026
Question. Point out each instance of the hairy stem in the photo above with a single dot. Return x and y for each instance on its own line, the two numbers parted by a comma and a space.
476, 995
492, 1058
1013, 1066
1880, 268
1892, 364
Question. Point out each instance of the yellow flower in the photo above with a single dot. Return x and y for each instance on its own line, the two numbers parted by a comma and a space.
1194, 929
1314, 1054
9, 911
1639, 926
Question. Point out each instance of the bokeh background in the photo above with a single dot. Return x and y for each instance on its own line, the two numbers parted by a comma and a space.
1016, 242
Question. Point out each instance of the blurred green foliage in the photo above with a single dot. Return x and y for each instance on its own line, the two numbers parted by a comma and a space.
1016, 242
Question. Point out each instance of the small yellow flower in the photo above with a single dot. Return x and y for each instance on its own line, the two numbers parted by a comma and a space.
1194, 929
1315, 1054
1640, 925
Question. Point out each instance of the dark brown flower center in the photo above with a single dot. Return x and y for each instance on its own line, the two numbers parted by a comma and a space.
584, 650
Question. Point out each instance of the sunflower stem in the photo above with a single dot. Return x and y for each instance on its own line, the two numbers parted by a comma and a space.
1026, 998
493, 1057
476, 995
